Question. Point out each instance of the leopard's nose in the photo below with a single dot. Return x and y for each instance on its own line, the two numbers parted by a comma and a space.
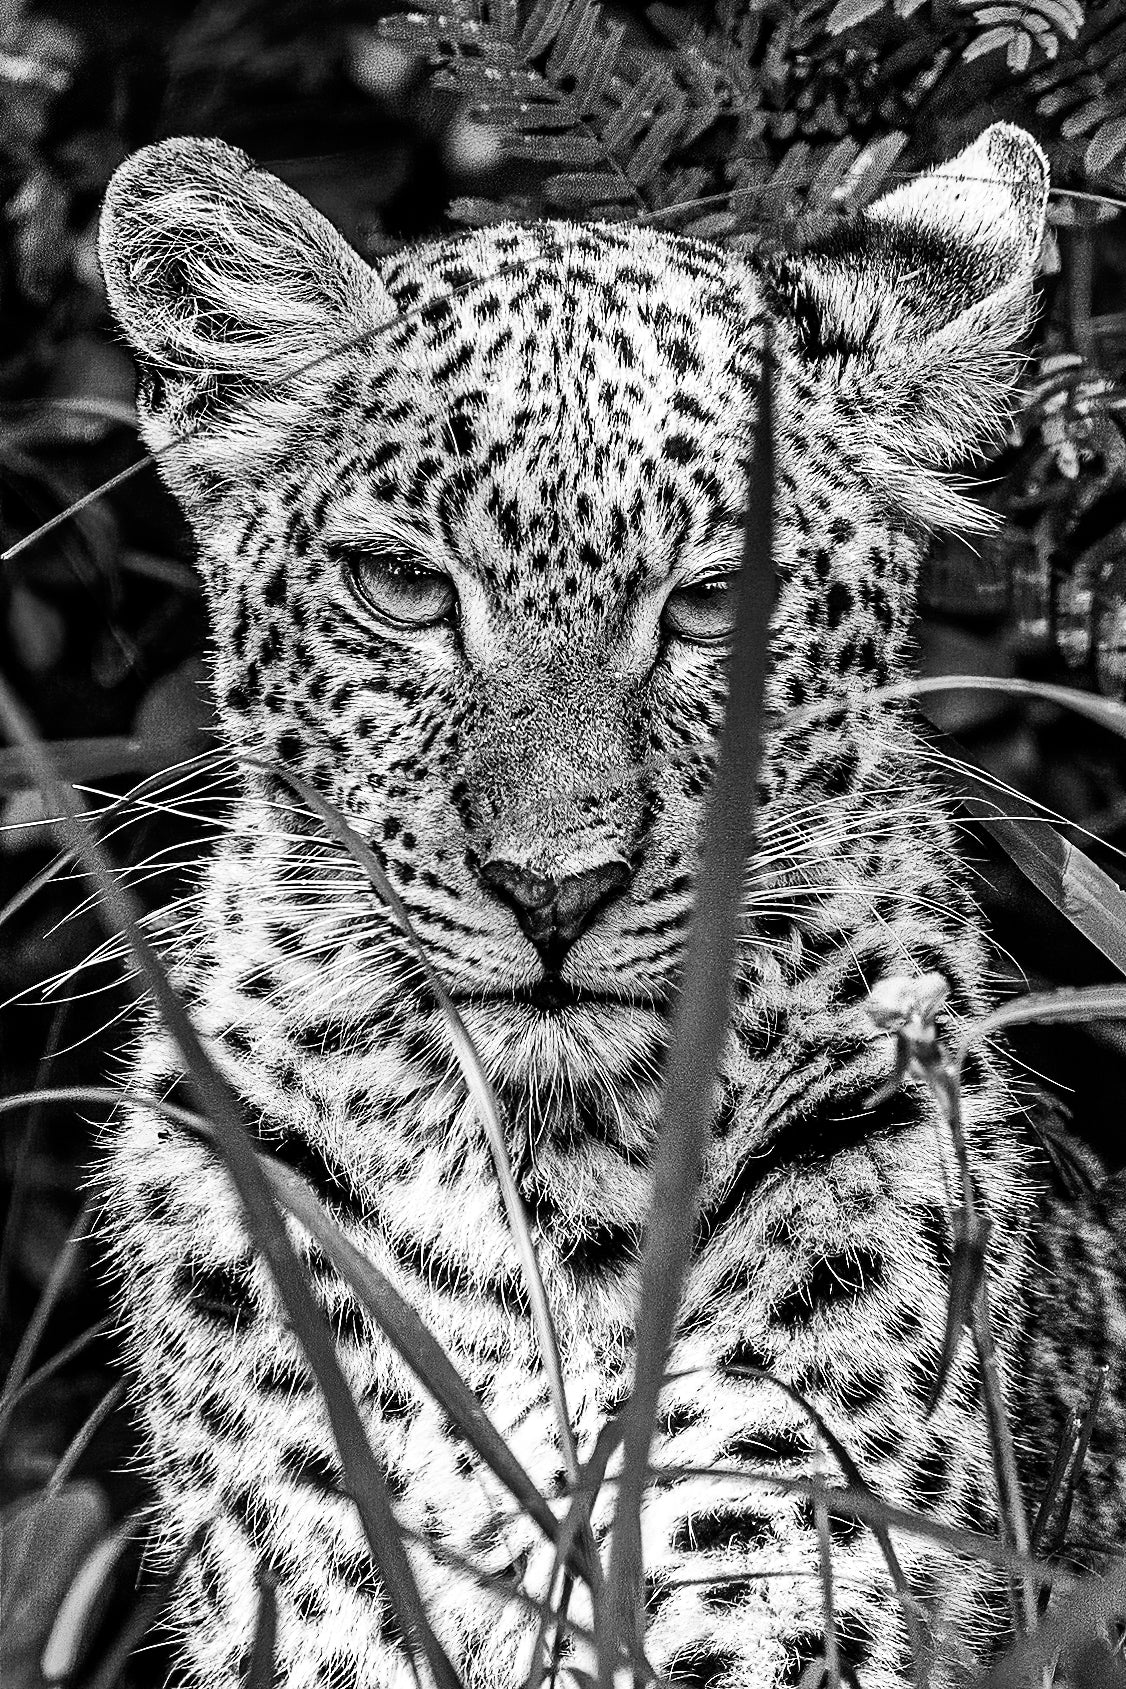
552, 913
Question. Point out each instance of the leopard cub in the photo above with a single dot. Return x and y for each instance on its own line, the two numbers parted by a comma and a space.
468, 521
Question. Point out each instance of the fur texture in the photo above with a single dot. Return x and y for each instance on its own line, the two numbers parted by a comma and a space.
545, 429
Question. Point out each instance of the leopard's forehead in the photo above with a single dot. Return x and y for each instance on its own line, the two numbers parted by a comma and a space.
563, 401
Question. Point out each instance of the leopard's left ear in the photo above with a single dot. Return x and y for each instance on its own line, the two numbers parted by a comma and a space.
915, 312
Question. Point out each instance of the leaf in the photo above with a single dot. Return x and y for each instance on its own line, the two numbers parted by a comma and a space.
43, 1544
562, 148
1067, 1469
546, 20
87, 1598
654, 149
989, 42
1105, 146
1081, 890
847, 13
585, 189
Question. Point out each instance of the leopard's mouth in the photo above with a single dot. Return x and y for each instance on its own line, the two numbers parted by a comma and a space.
550, 995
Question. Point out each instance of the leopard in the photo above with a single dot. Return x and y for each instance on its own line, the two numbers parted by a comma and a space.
469, 520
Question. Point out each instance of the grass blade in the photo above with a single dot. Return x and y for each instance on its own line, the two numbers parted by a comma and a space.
261, 1669
479, 1089
83, 1437
1067, 1480
87, 759
263, 1221
61, 1269
1092, 901
859, 1483
1069, 1003
699, 1035
574, 1523
828, 1605
414, 1343
411, 1338
14, 1396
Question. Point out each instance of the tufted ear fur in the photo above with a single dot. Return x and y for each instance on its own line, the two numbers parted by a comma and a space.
915, 311
223, 279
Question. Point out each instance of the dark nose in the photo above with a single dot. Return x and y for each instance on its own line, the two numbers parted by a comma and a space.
552, 913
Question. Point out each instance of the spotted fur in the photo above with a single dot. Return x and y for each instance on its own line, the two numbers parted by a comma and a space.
558, 420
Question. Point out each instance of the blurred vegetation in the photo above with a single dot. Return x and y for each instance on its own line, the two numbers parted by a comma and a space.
777, 115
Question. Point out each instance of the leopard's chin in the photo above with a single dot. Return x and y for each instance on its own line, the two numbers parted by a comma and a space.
549, 1040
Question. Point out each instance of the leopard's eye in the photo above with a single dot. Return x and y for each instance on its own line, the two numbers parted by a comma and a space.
703, 611
403, 593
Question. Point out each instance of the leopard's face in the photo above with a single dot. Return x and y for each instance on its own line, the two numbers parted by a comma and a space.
498, 643
470, 527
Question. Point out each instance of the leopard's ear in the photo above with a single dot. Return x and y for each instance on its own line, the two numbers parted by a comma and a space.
915, 312
223, 279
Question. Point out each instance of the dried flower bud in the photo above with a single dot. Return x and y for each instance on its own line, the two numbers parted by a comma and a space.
908, 1005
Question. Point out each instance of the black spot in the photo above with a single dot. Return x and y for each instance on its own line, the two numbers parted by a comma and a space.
973, 1070
843, 1527
603, 1250
720, 1528
221, 1419
349, 1322
801, 1651
308, 1602
759, 1447
679, 1418
745, 1353
284, 1378
202, 1468
930, 1480
699, 1671
834, 1281
244, 1506
464, 1464
829, 1127
326, 1178
863, 1390
462, 430
678, 448
934, 1229
730, 1592
210, 1579
838, 775
657, 1592
726, 1114
310, 1466
358, 1570
838, 603
216, 1291
394, 1404
156, 1204
339, 1671
323, 1037
854, 1643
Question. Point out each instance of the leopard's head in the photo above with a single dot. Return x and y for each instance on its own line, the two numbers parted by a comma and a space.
468, 521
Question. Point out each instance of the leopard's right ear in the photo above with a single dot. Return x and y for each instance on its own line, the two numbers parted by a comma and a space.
225, 282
